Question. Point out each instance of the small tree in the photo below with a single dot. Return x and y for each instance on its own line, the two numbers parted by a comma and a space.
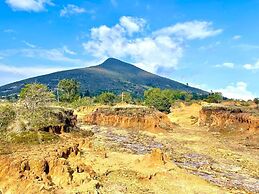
256, 101
126, 97
35, 100
215, 97
7, 116
68, 90
157, 99
35, 95
106, 98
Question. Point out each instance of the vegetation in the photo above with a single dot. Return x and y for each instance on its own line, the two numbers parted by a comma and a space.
215, 97
68, 90
158, 99
7, 115
34, 104
107, 98
126, 97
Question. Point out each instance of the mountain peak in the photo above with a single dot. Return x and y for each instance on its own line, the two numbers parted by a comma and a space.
113, 64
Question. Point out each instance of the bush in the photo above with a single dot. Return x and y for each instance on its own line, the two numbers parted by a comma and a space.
86, 101
106, 98
68, 90
7, 116
30, 137
215, 97
158, 99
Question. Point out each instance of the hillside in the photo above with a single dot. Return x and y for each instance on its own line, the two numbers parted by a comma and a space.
112, 75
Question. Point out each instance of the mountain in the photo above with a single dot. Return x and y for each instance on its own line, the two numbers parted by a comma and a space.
112, 75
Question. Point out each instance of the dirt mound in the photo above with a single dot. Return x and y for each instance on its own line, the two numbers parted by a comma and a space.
136, 117
229, 118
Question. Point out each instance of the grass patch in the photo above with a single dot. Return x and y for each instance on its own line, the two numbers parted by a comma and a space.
29, 137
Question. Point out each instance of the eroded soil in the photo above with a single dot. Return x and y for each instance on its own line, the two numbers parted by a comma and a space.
189, 159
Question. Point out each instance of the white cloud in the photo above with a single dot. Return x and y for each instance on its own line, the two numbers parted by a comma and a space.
28, 5
27, 71
71, 9
29, 44
127, 40
190, 30
252, 67
237, 91
55, 54
236, 37
132, 24
68, 51
227, 65
9, 31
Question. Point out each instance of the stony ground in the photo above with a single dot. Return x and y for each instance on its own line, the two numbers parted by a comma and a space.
190, 159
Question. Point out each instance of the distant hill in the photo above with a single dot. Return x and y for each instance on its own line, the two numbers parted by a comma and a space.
112, 75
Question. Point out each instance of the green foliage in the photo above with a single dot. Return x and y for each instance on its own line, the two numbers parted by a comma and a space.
107, 98
35, 95
30, 137
158, 99
215, 97
7, 116
34, 105
68, 90
85, 101
126, 97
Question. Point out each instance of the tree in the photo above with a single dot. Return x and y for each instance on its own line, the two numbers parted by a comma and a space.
126, 97
68, 90
35, 101
256, 101
157, 98
106, 98
35, 95
215, 97
7, 116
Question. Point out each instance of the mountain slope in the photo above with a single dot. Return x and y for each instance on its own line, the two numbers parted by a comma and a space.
112, 75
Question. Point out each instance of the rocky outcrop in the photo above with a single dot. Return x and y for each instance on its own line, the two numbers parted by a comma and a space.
225, 118
136, 117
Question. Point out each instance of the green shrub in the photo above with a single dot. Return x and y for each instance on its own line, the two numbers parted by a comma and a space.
107, 98
215, 97
7, 116
158, 99
30, 137
68, 90
85, 101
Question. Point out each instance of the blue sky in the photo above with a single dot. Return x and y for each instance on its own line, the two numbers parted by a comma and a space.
213, 45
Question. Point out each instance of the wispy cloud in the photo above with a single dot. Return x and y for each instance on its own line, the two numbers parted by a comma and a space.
247, 47
9, 30
55, 54
28, 71
29, 44
191, 30
29, 5
226, 65
236, 37
130, 40
71, 9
